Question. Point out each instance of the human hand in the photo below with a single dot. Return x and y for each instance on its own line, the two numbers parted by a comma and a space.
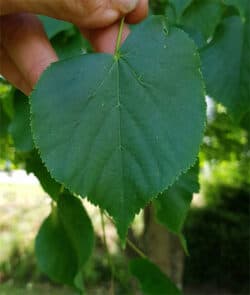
25, 51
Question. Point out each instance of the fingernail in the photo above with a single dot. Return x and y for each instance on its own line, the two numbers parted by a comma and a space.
125, 6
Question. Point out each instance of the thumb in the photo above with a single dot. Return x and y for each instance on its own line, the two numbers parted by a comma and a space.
124, 6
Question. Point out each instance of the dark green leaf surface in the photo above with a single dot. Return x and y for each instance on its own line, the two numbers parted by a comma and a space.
54, 26
120, 129
245, 122
68, 45
4, 122
19, 127
180, 6
226, 66
65, 241
152, 280
173, 204
202, 16
241, 5
54, 252
35, 165
77, 225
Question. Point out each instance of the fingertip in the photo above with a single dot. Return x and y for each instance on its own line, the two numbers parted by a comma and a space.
104, 40
125, 6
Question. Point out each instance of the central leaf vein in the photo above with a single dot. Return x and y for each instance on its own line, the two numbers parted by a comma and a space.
120, 136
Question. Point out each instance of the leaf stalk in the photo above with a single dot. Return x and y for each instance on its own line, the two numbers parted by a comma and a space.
119, 37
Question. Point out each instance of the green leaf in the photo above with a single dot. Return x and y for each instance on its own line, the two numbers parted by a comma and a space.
245, 122
4, 121
152, 280
241, 5
35, 165
19, 127
120, 129
54, 26
173, 204
65, 241
67, 45
202, 16
180, 6
6, 97
226, 66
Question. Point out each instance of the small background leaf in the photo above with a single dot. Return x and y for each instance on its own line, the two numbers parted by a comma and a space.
173, 204
65, 241
19, 127
54, 26
202, 16
241, 5
180, 6
226, 66
34, 165
152, 280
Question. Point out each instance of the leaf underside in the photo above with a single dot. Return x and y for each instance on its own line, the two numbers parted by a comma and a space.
65, 241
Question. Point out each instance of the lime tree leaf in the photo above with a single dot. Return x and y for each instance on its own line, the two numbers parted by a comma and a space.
34, 165
202, 16
180, 6
54, 26
65, 241
4, 121
120, 129
54, 252
67, 45
241, 5
19, 127
226, 66
6, 97
245, 122
77, 225
152, 280
173, 204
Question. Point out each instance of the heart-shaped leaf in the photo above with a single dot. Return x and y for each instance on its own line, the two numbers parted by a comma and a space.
120, 129
226, 65
173, 204
65, 241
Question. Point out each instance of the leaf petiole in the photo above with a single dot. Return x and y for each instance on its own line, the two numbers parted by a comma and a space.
119, 37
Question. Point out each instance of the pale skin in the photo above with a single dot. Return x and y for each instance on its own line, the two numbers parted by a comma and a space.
25, 51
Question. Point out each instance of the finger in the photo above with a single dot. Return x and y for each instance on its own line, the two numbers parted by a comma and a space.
124, 6
139, 13
24, 39
104, 40
11, 73
84, 13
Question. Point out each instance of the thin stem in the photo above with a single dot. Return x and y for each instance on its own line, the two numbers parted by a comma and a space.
111, 266
61, 189
136, 249
119, 37
130, 243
